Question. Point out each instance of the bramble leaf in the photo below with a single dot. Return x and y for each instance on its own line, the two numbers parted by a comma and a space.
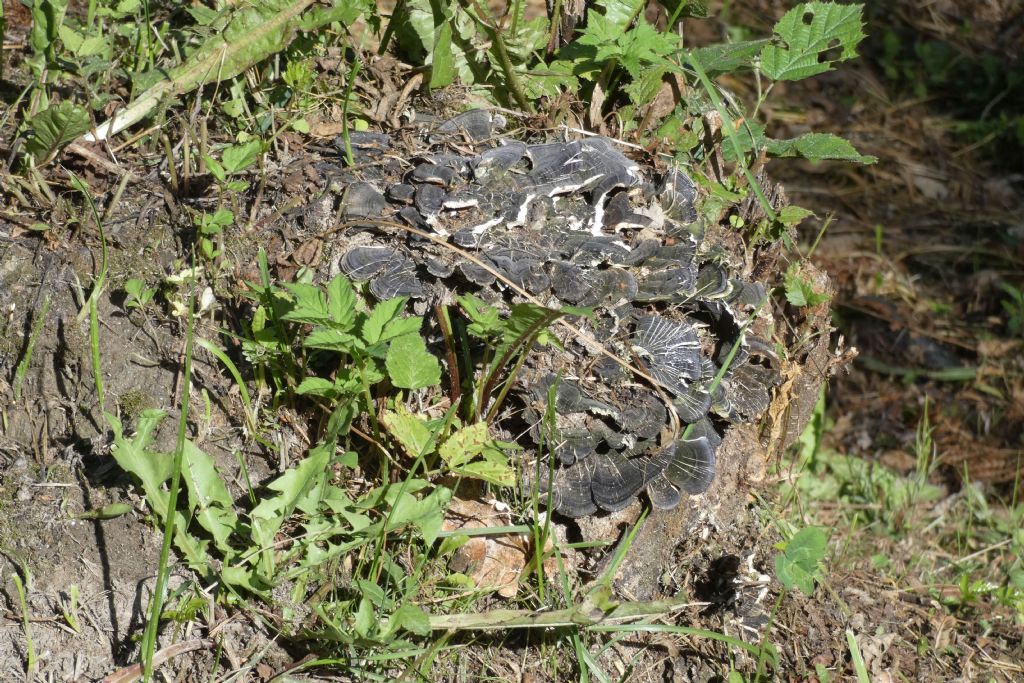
816, 36
464, 445
309, 304
818, 147
799, 292
410, 365
411, 431
727, 57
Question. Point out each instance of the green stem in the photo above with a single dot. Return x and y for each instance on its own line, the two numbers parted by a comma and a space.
525, 338
709, 88
349, 82
163, 571
503, 59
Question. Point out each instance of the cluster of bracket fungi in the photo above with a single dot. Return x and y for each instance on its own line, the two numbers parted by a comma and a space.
573, 223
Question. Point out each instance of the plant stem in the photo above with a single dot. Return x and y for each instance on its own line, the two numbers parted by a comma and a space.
349, 82
163, 571
503, 59
709, 88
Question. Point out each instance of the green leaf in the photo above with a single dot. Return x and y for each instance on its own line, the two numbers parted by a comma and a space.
412, 618
499, 474
316, 386
365, 619
240, 157
343, 12
464, 445
71, 38
792, 215
330, 339
818, 147
47, 17
111, 511
470, 442
410, 431
645, 45
800, 563
618, 13
485, 320
308, 306
800, 293
132, 455
643, 89
410, 365
426, 514
54, 127
208, 497
816, 35
341, 302
442, 60
291, 487
551, 80
727, 57
94, 45
204, 16
216, 170
383, 313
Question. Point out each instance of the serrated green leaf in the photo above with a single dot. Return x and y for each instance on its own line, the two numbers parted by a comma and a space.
71, 38
382, 314
53, 128
728, 57
818, 147
316, 386
618, 13
341, 302
410, 365
550, 80
485, 470
426, 514
793, 215
344, 12
801, 293
309, 305
290, 488
643, 46
644, 88
216, 170
94, 45
816, 35
485, 321
410, 431
464, 445
239, 157
330, 339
